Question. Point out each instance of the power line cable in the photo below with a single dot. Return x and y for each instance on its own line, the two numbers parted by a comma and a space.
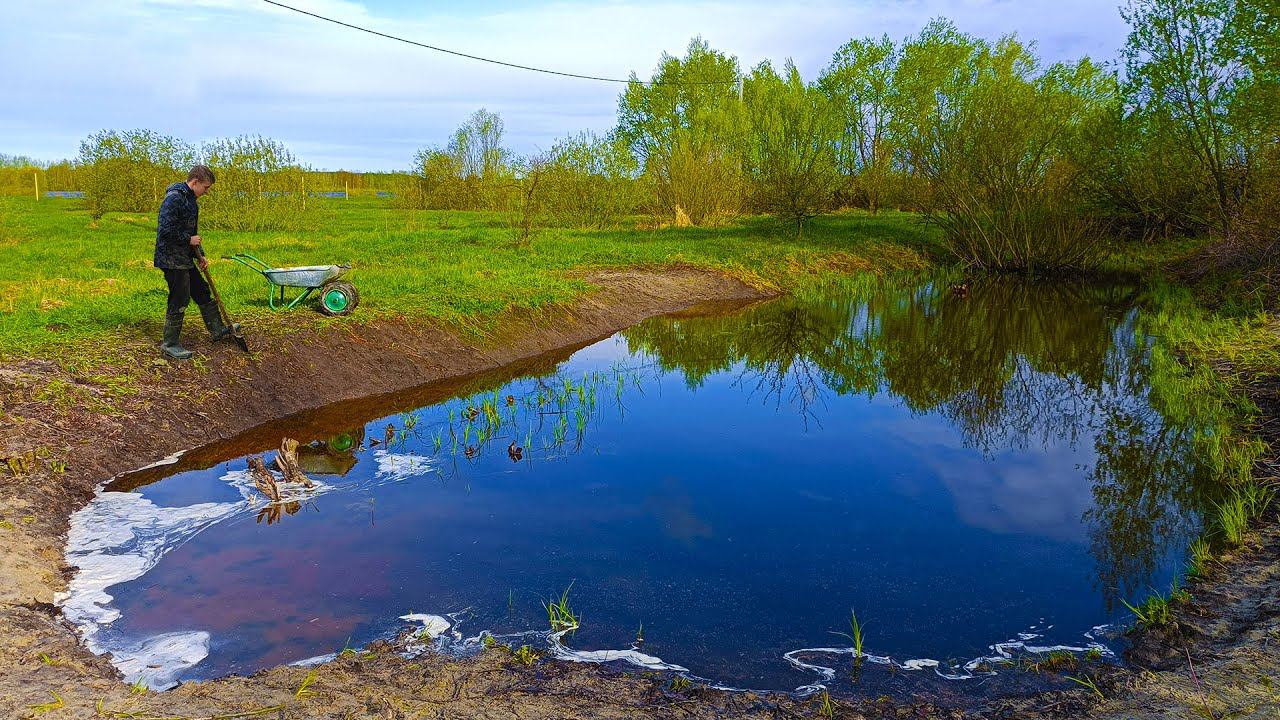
485, 59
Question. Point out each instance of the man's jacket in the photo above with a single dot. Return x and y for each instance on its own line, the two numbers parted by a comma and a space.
179, 218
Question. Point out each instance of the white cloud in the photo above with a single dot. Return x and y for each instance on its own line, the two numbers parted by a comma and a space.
212, 68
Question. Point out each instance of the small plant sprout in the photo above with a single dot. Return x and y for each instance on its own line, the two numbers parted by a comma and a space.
826, 708
680, 684
488, 641
42, 708
1087, 682
525, 655
855, 635
139, 687
560, 615
304, 690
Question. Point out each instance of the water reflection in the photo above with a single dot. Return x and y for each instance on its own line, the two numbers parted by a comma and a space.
959, 467
1013, 365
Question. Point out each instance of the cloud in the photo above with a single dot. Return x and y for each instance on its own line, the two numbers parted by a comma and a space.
199, 69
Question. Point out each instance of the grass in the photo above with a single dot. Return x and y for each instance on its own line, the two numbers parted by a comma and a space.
1242, 506
68, 282
525, 655
304, 690
1156, 610
1087, 682
560, 615
42, 708
855, 635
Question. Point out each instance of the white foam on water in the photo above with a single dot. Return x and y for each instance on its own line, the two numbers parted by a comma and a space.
1003, 652
630, 656
397, 467
158, 660
117, 538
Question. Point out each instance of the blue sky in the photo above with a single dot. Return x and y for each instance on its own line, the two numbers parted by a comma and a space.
200, 69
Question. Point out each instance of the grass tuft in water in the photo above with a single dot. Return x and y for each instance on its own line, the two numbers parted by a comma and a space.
855, 635
560, 615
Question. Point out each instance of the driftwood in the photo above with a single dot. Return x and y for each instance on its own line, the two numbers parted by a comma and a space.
263, 479
287, 461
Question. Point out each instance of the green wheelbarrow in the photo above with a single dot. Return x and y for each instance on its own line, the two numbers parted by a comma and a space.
337, 297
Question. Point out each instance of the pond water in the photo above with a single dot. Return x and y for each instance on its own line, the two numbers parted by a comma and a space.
978, 474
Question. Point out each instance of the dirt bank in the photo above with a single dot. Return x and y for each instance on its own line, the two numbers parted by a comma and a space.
58, 419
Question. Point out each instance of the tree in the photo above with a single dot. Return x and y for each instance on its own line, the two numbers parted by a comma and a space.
859, 82
477, 146
994, 139
792, 161
684, 127
127, 171
1184, 74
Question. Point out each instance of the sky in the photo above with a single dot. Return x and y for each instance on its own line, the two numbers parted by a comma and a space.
341, 99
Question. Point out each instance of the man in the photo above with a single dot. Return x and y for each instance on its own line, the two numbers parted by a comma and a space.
177, 241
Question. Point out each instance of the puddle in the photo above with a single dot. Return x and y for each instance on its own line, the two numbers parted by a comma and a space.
980, 477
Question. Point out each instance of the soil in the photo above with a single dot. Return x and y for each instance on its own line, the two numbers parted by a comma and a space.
1230, 631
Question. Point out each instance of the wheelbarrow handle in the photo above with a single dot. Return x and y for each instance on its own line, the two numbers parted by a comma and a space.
248, 261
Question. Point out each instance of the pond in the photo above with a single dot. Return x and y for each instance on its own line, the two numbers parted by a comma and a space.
977, 472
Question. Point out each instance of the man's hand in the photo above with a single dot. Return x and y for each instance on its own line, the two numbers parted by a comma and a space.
195, 240
203, 262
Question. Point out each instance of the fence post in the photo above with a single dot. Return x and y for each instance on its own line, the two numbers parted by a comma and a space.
36, 177
346, 191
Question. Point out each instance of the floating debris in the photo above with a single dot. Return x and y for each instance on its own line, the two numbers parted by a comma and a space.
263, 479
287, 461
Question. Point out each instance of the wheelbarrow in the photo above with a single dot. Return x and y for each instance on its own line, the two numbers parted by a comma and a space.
337, 297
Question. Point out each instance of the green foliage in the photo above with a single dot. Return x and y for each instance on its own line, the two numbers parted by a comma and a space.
525, 655
560, 615
1245, 503
589, 181
1155, 611
993, 136
1087, 682
128, 171
859, 82
790, 159
260, 186
684, 127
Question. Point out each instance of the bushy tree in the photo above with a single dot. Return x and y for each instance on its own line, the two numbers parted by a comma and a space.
590, 181
260, 186
859, 83
685, 128
128, 171
791, 161
994, 138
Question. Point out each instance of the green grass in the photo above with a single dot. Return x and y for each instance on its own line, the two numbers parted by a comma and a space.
560, 614
68, 283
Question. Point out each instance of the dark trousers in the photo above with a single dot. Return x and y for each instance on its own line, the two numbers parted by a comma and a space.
185, 286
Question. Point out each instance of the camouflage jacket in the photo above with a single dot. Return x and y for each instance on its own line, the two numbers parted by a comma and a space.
179, 219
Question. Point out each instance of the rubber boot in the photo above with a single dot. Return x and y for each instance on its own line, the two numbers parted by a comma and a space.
172, 336
213, 320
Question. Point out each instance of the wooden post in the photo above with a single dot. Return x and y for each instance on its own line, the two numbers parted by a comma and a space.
35, 175
346, 191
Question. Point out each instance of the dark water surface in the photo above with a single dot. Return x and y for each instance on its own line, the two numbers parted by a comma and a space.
958, 469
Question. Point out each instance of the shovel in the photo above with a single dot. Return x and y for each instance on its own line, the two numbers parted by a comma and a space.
222, 310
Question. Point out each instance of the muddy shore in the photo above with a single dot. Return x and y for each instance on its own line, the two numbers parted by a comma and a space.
1229, 634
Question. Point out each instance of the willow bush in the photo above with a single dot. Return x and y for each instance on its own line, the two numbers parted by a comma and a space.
260, 186
994, 137
128, 171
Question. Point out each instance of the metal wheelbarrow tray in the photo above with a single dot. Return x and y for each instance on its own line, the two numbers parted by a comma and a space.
336, 297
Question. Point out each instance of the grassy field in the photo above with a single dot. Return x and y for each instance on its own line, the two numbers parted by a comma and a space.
67, 282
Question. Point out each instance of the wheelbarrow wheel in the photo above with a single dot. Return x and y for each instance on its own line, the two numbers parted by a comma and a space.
338, 298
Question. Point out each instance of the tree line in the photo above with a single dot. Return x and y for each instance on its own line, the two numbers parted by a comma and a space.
1023, 165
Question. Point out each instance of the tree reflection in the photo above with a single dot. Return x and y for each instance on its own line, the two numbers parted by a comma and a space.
1011, 364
